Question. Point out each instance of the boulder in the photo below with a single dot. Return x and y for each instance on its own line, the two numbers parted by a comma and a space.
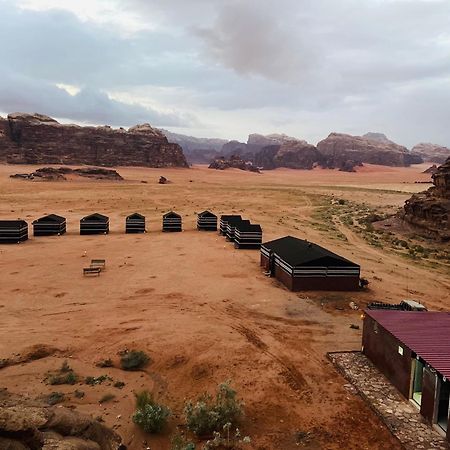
39, 139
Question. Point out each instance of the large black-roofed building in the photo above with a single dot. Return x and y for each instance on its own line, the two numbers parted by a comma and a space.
13, 231
135, 223
50, 225
247, 235
94, 224
207, 221
303, 265
172, 222
224, 223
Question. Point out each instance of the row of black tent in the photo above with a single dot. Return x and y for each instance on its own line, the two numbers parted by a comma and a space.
50, 225
242, 232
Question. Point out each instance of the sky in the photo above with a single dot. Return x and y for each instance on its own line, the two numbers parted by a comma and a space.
227, 68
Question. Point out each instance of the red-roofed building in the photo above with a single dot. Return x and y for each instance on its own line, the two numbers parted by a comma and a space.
412, 349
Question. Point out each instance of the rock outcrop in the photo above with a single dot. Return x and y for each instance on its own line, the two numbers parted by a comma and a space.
61, 173
39, 139
429, 211
30, 424
292, 154
432, 152
343, 150
234, 162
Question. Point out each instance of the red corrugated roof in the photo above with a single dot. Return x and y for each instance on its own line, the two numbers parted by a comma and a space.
426, 333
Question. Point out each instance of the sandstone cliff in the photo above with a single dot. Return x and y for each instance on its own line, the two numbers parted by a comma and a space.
291, 154
432, 152
430, 210
340, 150
38, 139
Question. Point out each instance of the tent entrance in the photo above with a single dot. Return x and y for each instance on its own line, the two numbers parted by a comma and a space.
418, 382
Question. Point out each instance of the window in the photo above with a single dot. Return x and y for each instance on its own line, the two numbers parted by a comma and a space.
375, 327
400, 350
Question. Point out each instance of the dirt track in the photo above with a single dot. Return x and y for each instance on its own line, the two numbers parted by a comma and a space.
202, 310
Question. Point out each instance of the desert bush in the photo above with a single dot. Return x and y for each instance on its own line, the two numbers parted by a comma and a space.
210, 414
134, 360
226, 439
119, 384
178, 442
65, 375
97, 380
150, 415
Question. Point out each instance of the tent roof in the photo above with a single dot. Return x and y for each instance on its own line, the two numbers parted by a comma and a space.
50, 218
172, 214
136, 216
96, 216
207, 214
298, 252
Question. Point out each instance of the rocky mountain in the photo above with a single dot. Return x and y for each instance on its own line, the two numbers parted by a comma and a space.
292, 154
432, 152
343, 150
197, 150
429, 211
39, 139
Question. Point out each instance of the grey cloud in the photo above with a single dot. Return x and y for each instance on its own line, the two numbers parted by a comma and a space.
18, 93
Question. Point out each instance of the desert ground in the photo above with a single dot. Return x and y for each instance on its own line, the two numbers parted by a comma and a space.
203, 311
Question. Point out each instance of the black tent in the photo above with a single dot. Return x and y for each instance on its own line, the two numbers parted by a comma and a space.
231, 227
247, 235
224, 223
207, 221
303, 265
135, 223
94, 224
13, 231
172, 222
50, 225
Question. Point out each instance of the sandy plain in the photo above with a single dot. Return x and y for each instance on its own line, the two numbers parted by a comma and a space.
203, 311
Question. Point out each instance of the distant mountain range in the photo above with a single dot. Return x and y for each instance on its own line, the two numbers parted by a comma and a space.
338, 150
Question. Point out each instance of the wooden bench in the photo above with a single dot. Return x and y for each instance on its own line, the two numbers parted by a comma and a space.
98, 264
92, 271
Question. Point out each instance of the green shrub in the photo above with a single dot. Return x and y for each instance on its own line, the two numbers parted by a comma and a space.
64, 375
150, 416
134, 360
180, 443
210, 414
62, 378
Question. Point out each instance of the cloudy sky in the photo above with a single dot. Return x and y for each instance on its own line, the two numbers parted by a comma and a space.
225, 68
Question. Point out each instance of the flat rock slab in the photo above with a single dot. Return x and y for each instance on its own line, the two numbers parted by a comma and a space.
400, 416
